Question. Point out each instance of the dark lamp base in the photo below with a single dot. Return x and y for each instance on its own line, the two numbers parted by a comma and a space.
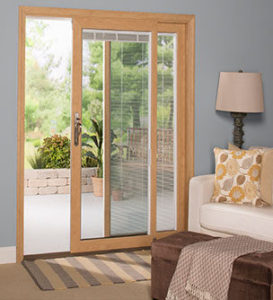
238, 132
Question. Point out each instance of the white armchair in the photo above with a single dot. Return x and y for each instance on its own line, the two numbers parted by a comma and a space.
220, 219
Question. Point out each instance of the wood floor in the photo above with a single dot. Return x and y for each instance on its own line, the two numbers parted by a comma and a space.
16, 284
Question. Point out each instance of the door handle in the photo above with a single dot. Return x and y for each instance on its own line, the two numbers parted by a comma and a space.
77, 128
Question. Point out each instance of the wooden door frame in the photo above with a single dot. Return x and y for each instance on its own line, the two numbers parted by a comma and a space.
185, 108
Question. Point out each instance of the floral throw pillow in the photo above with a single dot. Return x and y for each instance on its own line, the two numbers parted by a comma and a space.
237, 176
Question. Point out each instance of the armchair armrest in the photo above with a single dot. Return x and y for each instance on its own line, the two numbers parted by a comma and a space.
200, 191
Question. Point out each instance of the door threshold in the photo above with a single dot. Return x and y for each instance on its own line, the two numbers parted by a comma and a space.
69, 254
46, 255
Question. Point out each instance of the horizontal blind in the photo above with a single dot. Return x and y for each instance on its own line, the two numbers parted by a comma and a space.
166, 199
124, 36
129, 129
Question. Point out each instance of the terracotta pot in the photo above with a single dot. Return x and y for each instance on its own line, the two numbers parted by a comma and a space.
117, 195
97, 186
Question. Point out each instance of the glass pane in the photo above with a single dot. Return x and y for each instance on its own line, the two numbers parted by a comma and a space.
129, 130
166, 197
47, 135
129, 119
92, 200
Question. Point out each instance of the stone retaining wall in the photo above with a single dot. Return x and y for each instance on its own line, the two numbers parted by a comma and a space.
55, 181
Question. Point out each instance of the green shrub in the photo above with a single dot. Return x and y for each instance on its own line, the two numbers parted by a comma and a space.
36, 161
88, 162
36, 143
55, 152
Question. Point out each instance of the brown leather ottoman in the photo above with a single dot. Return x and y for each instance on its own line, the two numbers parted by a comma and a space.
252, 275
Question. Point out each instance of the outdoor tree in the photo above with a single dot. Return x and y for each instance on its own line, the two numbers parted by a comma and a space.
48, 96
47, 102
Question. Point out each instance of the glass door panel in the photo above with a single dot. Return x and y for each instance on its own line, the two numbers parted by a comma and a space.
129, 129
47, 141
125, 133
166, 128
92, 200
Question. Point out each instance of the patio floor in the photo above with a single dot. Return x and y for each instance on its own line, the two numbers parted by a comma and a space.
47, 219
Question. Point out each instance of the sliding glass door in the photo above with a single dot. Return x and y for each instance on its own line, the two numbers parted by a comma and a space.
118, 61
125, 126
124, 133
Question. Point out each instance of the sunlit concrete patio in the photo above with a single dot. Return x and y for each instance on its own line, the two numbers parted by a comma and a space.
47, 219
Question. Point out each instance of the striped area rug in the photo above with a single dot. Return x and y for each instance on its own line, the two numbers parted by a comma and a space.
90, 270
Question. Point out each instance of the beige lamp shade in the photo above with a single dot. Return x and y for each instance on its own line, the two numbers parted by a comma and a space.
240, 92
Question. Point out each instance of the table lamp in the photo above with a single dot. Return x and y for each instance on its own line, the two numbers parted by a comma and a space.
240, 93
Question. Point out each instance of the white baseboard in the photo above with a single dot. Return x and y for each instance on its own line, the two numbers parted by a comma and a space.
7, 255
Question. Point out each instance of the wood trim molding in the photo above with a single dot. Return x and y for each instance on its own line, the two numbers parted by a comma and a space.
75, 210
20, 137
190, 110
153, 22
112, 243
110, 23
181, 129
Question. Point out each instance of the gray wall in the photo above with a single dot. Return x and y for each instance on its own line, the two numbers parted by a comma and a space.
230, 35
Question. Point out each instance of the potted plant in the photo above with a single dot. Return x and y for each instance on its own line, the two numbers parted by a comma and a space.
94, 144
116, 186
117, 192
